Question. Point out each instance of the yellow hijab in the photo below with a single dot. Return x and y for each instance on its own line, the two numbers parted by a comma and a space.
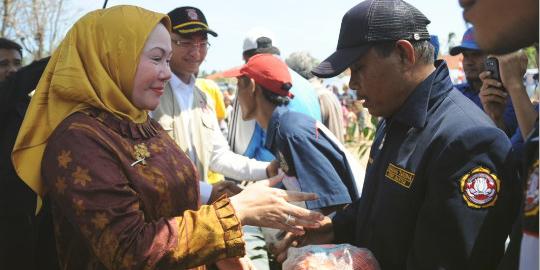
94, 66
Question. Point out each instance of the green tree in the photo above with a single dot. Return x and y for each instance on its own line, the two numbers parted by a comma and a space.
38, 25
302, 63
532, 56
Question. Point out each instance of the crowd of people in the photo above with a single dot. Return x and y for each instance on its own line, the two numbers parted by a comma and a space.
114, 155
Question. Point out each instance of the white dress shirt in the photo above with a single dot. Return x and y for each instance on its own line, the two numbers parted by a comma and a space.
222, 159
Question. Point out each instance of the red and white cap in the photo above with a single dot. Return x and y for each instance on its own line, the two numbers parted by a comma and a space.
268, 71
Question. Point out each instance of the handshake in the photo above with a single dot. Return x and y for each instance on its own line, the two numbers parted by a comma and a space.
224, 187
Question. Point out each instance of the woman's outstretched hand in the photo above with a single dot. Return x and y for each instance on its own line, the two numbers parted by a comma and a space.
261, 205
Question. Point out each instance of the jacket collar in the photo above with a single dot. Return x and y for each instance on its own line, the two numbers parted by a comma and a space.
178, 85
414, 111
273, 125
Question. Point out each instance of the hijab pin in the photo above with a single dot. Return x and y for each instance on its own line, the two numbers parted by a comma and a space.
141, 153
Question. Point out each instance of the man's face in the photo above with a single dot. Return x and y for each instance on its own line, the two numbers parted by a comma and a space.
188, 53
246, 97
226, 100
473, 64
10, 62
377, 81
502, 26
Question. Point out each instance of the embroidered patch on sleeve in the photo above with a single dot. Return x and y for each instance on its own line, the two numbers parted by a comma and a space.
480, 188
399, 175
531, 193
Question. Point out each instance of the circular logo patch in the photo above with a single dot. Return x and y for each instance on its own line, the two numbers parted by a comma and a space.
480, 188
531, 193
192, 14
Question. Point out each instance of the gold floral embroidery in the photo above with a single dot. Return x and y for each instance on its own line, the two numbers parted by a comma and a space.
156, 148
106, 243
141, 153
81, 176
64, 159
60, 185
78, 205
100, 220
174, 161
186, 170
180, 175
154, 176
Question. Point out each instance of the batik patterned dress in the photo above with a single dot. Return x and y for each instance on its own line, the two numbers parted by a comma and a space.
125, 197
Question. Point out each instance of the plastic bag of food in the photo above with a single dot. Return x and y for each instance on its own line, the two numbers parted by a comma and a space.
323, 257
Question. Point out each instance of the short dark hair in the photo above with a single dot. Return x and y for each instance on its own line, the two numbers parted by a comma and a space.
423, 49
10, 45
264, 45
274, 98
268, 95
249, 53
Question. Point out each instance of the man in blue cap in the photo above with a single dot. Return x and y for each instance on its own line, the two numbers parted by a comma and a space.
439, 192
473, 64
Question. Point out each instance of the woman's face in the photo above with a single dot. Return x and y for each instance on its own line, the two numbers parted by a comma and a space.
153, 70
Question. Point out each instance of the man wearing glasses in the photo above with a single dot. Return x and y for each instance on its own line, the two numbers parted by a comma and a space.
188, 117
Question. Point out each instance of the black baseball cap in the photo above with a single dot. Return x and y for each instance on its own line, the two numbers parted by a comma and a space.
369, 22
187, 20
264, 45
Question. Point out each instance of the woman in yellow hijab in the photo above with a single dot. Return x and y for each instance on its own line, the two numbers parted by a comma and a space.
123, 195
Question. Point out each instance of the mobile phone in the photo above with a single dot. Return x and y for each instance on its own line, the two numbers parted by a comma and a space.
492, 65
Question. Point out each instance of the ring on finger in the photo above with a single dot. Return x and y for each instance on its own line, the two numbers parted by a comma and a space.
289, 218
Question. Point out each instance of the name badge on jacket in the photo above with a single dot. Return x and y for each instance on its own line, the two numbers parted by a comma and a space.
399, 175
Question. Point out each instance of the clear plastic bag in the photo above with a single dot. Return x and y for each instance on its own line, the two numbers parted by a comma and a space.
323, 257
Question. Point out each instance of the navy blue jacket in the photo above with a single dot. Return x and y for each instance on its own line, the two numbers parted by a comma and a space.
306, 152
440, 186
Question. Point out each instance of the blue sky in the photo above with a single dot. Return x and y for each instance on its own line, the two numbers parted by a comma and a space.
299, 25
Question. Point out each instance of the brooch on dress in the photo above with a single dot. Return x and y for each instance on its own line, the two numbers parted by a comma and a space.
141, 153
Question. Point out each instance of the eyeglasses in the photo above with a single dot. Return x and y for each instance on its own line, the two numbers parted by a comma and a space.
189, 45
